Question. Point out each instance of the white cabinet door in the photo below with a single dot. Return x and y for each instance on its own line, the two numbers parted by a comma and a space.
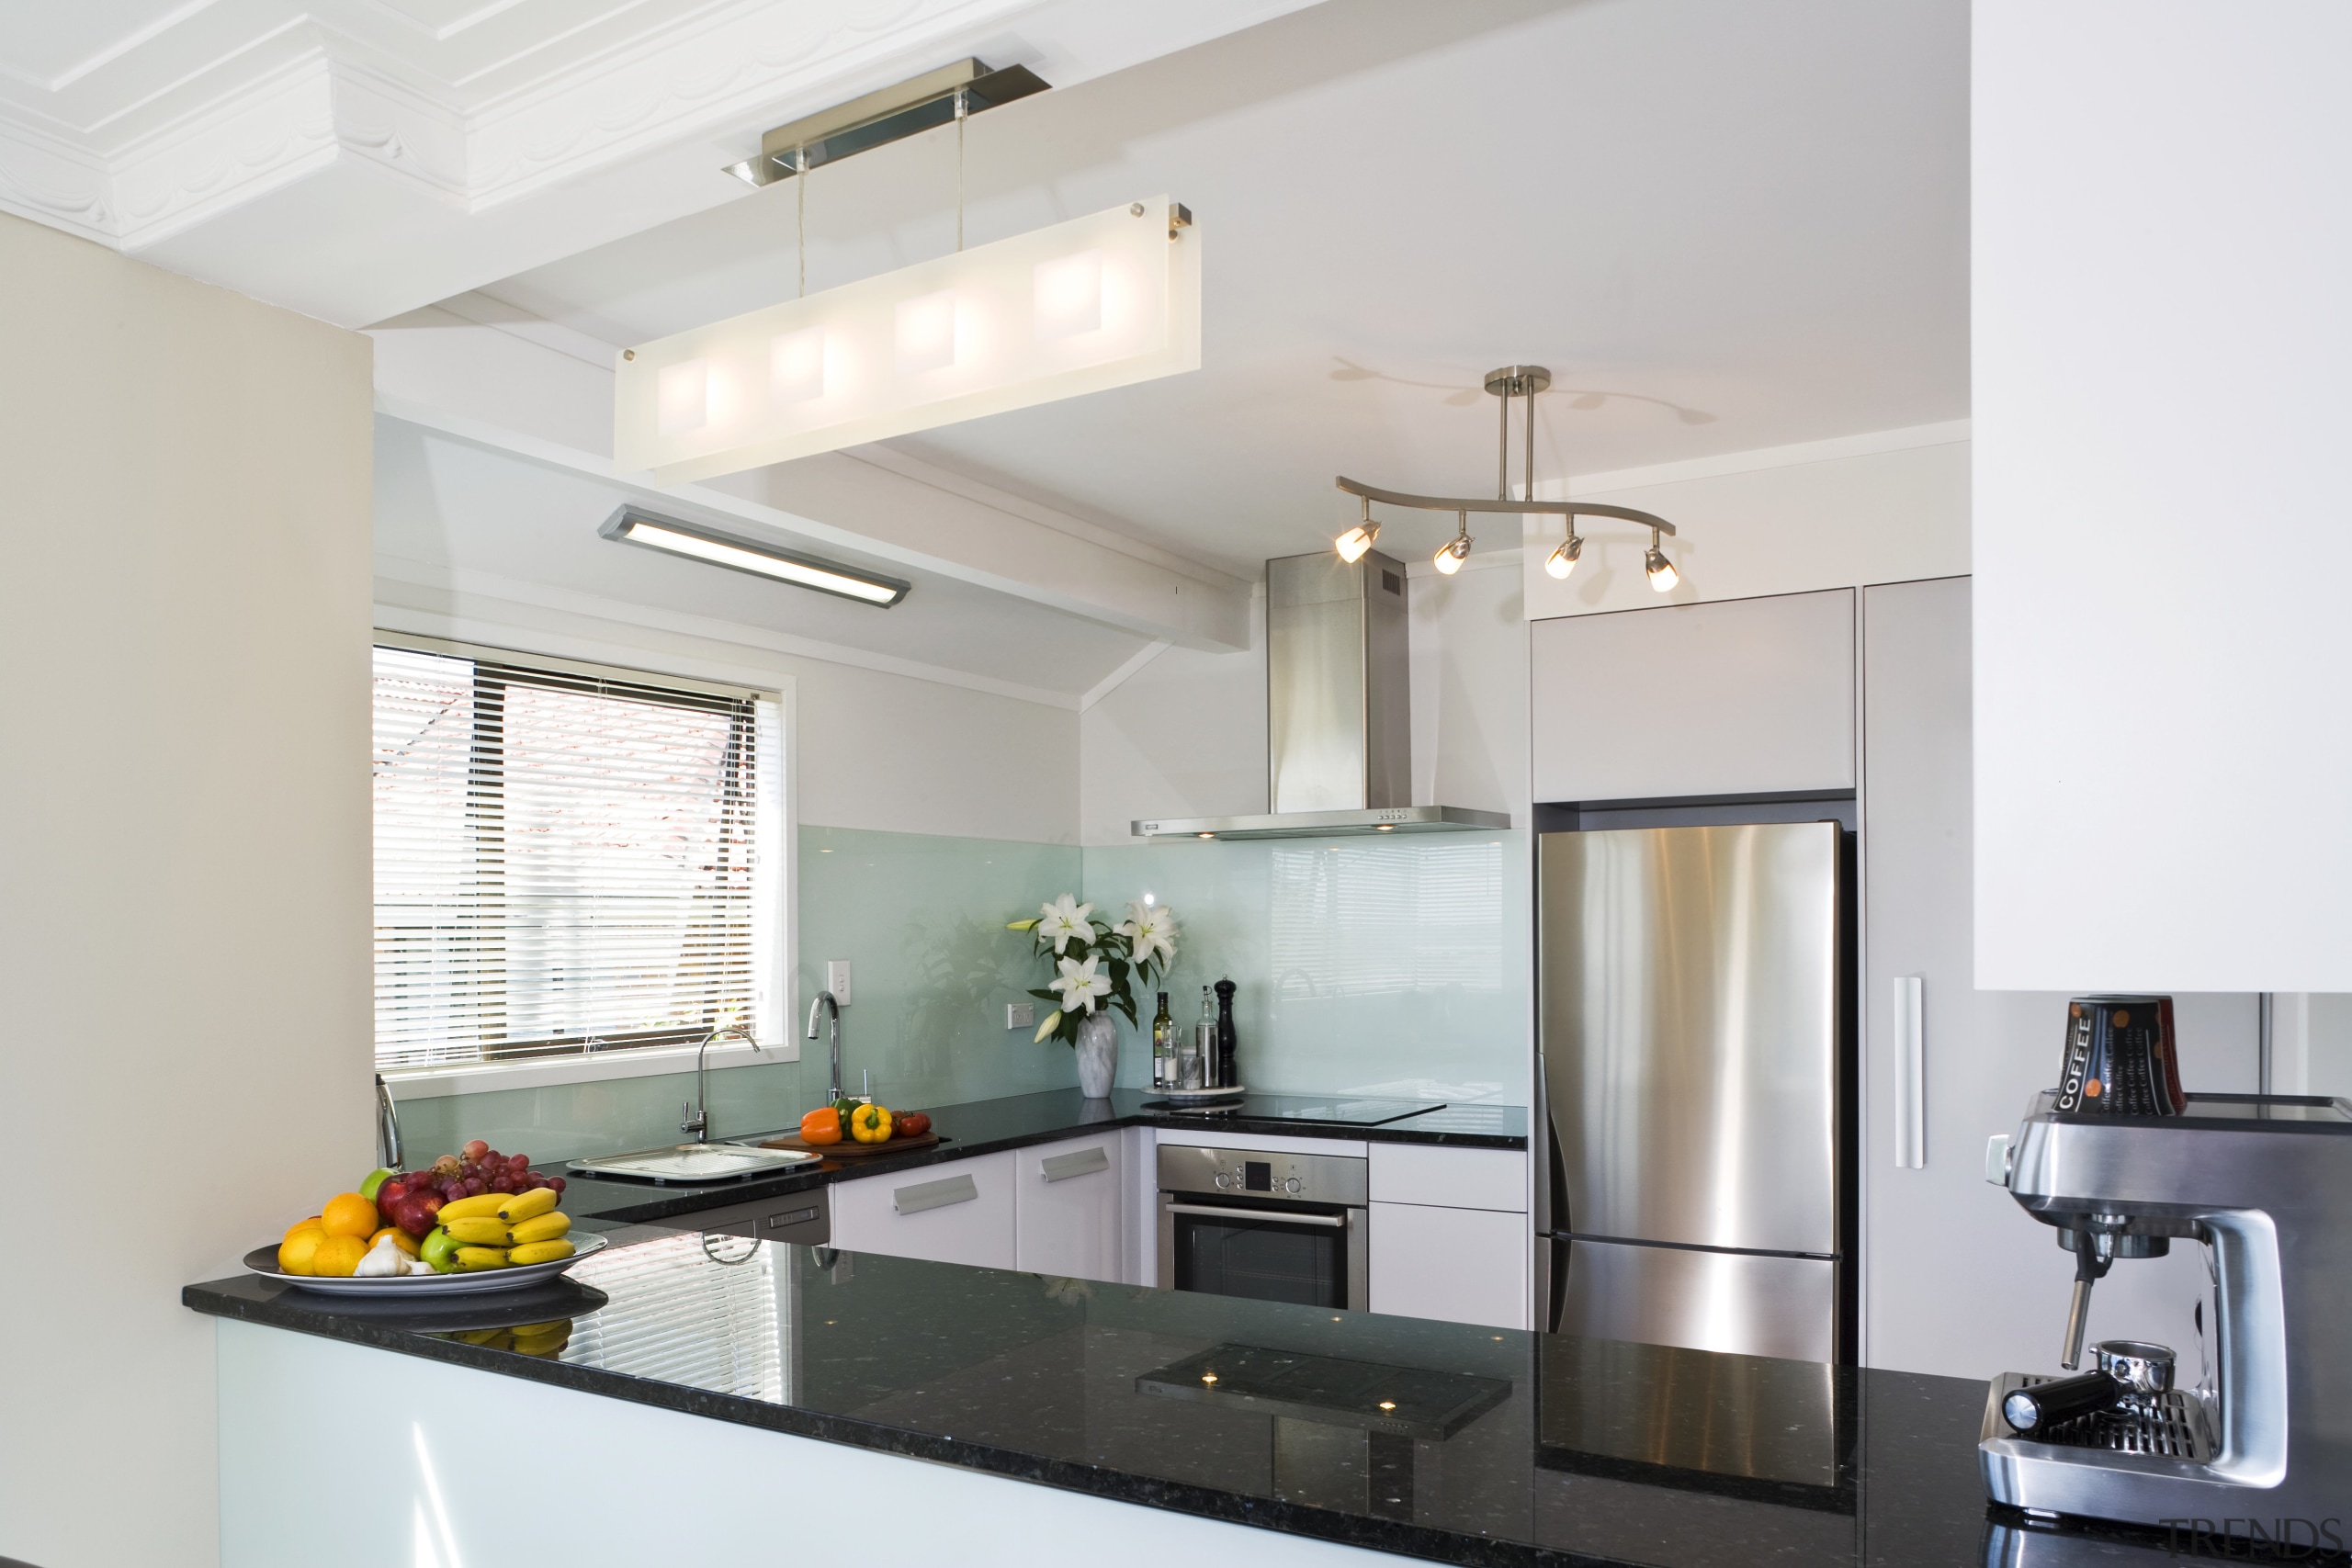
1065, 1208
955, 1212
1737, 697
1437, 1176
1459, 1265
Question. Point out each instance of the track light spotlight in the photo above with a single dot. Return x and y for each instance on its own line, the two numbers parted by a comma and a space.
1353, 544
1563, 558
1448, 560
1663, 577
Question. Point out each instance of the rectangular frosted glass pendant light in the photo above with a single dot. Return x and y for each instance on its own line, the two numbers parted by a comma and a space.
1097, 302
630, 527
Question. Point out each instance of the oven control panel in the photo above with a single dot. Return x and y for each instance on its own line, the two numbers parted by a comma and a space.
1313, 1178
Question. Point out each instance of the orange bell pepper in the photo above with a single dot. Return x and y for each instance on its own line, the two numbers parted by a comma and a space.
822, 1125
870, 1125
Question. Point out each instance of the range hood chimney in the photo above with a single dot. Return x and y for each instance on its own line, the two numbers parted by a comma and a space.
1339, 711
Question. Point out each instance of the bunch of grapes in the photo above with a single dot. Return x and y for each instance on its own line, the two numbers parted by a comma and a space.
478, 1168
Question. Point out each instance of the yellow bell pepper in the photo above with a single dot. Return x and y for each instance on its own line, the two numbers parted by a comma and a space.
870, 1125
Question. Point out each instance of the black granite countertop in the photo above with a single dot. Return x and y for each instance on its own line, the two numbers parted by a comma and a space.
984, 1126
1442, 1441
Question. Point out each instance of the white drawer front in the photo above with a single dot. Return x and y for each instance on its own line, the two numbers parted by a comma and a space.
1066, 1208
1441, 1178
957, 1211
1456, 1265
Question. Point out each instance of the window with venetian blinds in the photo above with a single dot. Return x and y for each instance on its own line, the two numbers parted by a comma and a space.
569, 861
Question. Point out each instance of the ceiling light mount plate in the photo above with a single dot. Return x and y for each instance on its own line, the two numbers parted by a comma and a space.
1517, 381
891, 114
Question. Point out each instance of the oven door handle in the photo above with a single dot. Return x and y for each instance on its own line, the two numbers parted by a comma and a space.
1272, 1216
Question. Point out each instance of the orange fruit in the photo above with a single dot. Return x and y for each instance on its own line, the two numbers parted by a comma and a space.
337, 1256
401, 1239
299, 1253
310, 1224
347, 1213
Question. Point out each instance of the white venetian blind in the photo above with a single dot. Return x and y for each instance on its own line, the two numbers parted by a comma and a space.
565, 862
708, 1316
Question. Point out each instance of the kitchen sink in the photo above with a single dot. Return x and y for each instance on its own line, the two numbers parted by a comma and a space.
692, 1164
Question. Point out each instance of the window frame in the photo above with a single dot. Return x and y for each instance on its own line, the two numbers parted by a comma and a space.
780, 816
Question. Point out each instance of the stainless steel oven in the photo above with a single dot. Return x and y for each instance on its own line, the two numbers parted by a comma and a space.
1274, 1227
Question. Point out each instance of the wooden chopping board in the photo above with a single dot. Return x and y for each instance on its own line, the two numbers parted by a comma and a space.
849, 1149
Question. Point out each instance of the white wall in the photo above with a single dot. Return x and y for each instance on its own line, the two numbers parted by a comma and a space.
2162, 236
1886, 507
184, 859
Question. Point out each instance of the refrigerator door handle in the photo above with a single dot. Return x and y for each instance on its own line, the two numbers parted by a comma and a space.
1910, 1073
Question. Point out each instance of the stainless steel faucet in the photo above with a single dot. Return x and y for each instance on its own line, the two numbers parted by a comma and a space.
387, 1127
825, 999
695, 1117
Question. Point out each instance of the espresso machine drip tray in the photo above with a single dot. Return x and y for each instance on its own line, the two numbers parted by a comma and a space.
2171, 1424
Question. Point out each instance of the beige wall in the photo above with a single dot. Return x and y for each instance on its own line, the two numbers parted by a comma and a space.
184, 859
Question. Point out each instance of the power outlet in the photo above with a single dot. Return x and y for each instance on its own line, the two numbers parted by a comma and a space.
1020, 1015
837, 980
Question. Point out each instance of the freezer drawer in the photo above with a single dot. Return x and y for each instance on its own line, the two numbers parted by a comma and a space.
1702, 1300
1691, 1033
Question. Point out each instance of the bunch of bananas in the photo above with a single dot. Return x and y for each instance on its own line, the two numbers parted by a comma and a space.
498, 1230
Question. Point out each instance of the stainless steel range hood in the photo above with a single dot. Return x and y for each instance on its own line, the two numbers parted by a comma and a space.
1339, 711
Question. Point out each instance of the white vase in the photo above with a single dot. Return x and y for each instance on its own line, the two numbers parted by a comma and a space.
1098, 1054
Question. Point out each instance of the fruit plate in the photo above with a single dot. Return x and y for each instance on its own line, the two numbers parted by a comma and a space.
263, 1260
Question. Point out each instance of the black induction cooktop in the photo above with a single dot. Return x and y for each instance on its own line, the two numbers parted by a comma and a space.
1331, 1109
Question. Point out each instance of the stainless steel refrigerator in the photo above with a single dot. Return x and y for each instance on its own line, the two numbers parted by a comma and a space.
1694, 1057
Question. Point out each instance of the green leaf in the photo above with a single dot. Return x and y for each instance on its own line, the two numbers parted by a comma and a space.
1053, 997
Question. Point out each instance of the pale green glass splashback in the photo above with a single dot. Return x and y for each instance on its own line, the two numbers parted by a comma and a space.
1391, 965
1397, 965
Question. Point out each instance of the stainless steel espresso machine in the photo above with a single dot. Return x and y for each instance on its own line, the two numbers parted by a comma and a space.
2123, 1164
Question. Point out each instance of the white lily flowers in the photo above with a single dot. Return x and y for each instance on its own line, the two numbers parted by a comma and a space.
1065, 920
1151, 933
1079, 985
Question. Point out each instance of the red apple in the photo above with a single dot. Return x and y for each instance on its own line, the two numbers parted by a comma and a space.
389, 1196
416, 1213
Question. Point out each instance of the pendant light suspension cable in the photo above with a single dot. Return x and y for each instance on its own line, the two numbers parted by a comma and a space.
963, 113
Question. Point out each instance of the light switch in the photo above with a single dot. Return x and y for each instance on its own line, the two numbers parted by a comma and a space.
1020, 1015
837, 980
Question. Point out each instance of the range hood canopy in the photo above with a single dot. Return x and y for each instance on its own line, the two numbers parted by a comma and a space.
1339, 715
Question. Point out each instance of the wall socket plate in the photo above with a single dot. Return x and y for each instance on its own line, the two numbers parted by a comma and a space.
1020, 1015
837, 980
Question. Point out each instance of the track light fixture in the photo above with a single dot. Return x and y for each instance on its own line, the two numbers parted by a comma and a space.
1353, 544
1564, 556
1451, 554
1663, 577
1510, 381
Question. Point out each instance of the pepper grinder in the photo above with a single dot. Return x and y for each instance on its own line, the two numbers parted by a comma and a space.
1227, 1074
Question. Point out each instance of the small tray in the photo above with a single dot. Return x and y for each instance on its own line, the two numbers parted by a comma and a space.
849, 1149
1203, 1096
263, 1260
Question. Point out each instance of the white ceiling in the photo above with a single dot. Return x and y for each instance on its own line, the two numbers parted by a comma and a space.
354, 159
1722, 225
492, 526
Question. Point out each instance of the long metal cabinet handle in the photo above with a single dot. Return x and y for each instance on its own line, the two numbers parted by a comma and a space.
1270, 1216
1910, 1072
934, 1195
1077, 1162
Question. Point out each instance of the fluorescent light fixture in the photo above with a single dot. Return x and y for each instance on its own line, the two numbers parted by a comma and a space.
1101, 301
631, 526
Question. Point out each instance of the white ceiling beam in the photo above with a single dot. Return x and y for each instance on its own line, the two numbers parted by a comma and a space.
493, 387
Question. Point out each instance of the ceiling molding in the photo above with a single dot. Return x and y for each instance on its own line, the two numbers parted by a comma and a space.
191, 122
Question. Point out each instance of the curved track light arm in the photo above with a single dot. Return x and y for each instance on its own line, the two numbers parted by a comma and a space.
1542, 508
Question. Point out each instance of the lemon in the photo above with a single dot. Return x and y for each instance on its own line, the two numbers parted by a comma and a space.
337, 1256
298, 1254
